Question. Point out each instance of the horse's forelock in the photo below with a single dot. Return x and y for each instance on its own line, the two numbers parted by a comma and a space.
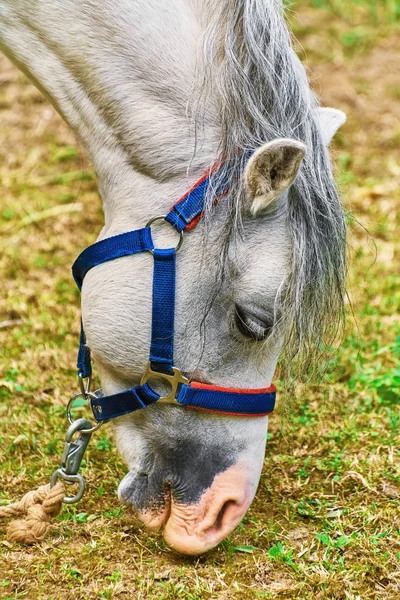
263, 93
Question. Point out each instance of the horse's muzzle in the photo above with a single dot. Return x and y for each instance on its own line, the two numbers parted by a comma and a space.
191, 527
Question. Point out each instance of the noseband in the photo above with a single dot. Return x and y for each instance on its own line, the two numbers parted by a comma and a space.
183, 216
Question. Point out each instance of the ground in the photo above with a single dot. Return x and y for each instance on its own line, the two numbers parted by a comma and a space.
325, 522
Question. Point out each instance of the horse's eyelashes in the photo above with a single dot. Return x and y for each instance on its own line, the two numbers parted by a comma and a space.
251, 326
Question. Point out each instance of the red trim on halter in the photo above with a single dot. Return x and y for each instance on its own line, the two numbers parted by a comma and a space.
217, 388
194, 222
214, 168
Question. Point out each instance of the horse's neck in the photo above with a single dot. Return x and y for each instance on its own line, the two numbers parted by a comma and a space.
123, 74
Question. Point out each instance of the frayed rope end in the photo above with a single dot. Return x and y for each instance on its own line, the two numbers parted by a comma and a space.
35, 509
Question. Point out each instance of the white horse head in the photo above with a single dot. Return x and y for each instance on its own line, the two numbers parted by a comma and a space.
265, 267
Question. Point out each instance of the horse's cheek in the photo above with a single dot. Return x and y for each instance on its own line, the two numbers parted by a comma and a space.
116, 312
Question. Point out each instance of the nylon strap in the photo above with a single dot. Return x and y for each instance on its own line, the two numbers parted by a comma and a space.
124, 244
109, 407
116, 246
244, 403
187, 211
83, 363
256, 403
163, 311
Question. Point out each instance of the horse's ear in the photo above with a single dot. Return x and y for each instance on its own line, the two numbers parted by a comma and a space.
331, 119
271, 170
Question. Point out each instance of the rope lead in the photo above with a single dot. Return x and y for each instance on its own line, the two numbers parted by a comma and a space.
34, 513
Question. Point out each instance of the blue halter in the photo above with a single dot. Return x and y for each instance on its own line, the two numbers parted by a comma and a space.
240, 402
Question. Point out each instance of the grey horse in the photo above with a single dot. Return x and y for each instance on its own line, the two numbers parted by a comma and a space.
159, 91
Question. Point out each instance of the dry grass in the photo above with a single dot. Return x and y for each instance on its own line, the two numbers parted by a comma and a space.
325, 524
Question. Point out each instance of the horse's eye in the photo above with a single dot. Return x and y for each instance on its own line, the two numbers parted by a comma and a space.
251, 326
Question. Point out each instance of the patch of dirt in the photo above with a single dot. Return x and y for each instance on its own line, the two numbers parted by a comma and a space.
367, 89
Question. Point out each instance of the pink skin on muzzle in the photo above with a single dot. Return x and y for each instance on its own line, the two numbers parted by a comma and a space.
195, 528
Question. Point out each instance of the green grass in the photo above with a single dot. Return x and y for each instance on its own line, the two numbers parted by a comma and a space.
373, 12
325, 522
354, 27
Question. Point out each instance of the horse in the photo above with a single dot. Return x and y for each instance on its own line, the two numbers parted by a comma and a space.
160, 93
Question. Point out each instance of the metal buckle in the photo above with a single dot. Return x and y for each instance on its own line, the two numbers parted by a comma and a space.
174, 380
162, 218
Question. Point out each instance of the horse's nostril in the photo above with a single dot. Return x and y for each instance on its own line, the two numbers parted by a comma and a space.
218, 524
252, 326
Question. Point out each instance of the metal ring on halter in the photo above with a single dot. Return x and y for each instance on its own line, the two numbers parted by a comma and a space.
86, 396
162, 218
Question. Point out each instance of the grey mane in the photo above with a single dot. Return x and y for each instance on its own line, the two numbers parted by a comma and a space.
264, 93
